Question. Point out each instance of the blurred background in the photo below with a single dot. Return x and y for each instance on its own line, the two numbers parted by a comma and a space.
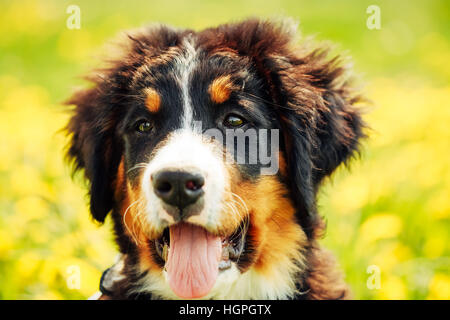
389, 212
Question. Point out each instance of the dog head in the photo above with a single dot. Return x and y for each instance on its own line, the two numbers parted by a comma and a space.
209, 147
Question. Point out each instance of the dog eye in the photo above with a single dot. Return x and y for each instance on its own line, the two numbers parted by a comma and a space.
143, 126
233, 121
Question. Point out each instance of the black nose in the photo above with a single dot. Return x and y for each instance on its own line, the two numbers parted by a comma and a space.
178, 188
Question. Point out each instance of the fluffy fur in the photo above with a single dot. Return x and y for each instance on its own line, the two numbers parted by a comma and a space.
256, 68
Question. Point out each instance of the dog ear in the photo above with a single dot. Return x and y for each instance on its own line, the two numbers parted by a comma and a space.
325, 125
92, 149
339, 132
319, 96
325, 94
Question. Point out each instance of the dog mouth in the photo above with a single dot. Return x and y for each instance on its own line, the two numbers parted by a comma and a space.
194, 257
232, 246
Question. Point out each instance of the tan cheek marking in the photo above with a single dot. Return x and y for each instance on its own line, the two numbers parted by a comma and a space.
126, 197
152, 100
277, 237
133, 224
233, 209
140, 231
220, 89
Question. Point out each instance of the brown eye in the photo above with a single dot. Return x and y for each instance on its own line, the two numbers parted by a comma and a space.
143, 126
233, 121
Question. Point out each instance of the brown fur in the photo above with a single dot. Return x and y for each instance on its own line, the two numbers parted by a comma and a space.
321, 128
325, 281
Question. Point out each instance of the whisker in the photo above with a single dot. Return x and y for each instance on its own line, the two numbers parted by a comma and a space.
243, 227
242, 203
137, 166
125, 223
137, 218
235, 216
238, 213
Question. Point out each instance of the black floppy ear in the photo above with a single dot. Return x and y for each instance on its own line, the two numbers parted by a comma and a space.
328, 125
321, 121
92, 148
339, 132
338, 125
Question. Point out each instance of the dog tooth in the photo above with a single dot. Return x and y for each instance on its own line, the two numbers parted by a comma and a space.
224, 264
225, 253
165, 252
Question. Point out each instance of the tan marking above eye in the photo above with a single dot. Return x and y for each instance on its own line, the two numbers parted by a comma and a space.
220, 89
152, 100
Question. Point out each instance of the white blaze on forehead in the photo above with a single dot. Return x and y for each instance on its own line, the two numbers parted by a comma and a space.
185, 149
184, 65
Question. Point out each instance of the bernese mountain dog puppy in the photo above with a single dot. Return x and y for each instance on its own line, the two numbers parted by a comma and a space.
208, 149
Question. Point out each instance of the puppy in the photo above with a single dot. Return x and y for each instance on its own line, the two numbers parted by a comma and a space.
207, 149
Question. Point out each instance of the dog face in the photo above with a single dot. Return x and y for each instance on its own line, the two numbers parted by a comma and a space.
172, 138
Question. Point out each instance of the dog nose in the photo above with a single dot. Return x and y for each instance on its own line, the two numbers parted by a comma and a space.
178, 188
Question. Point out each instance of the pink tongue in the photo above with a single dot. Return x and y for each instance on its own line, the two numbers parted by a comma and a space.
193, 261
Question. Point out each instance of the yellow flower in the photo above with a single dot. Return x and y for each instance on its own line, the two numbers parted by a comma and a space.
26, 180
350, 194
381, 226
439, 287
392, 288
32, 208
27, 265
391, 255
435, 246
6, 243
439, 205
